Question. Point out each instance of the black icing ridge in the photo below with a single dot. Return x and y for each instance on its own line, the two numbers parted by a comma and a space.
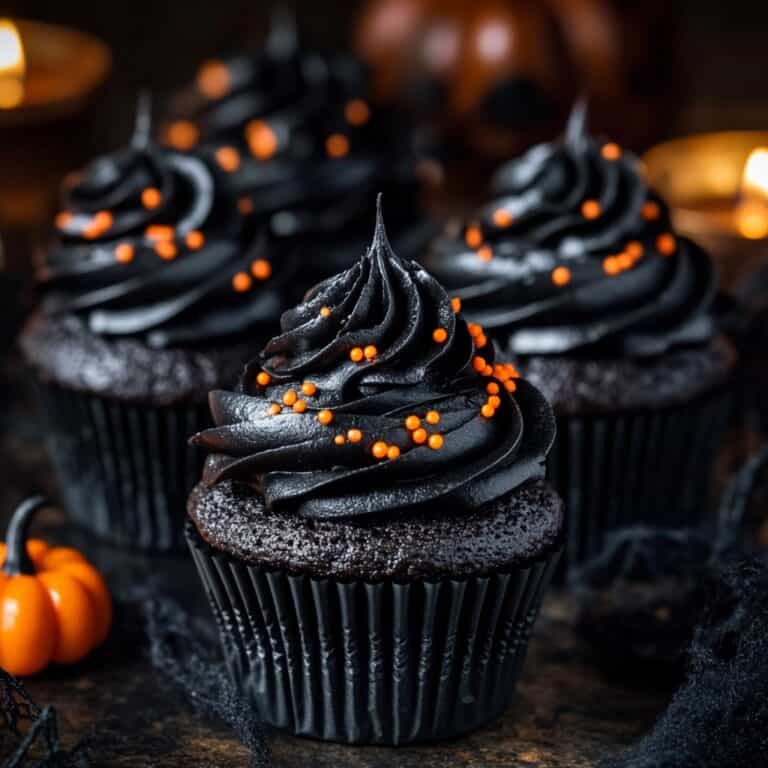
644, 302
394, 305
187, 297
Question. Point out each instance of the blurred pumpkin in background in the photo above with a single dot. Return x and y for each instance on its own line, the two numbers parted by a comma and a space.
501, 74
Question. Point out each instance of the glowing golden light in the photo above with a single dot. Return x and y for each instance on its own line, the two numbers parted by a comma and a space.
12, 65
752, 212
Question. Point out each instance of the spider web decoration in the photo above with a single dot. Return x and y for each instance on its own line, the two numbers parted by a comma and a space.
34, 729
196, 667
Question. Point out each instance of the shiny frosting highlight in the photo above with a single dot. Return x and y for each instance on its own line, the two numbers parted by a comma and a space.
376, 399
304, 148
575, 253
148, 247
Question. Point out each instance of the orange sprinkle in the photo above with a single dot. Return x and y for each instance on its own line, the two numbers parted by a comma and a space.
487, 371
213, 79
473, 236
228, 159
475, 330
290, 397
182, 135
510, 385
494, 401
357, 112
325, 416
379, 449
261, 269
263, 379
308, 388
666, 244
325, 311
479, 363
337, 145
502, 218
485, 253
98, 225
651, 210
625, 260
419, 436
412, 422
561, 276
300, 406
166, 249
356, 354
481, 340
195, 240
354, 435
611, 265
432, 417
440, 335
157, 232
245, 206
124, 253
456, 304
590, 209
611, 151
393, 452
436, 442
492, 388
274, 409
488, 411
151, 198
634, 249
370, 352
339, 439
262, 140
242, 282
63, 219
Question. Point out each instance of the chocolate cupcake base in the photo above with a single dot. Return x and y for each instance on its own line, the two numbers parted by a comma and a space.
642, 466
124, 469
372, 662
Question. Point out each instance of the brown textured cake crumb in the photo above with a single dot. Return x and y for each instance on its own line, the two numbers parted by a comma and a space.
579, 385
521, 527
63, 351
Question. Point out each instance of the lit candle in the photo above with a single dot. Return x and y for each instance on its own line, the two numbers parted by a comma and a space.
13, 66
716, 186
46, 70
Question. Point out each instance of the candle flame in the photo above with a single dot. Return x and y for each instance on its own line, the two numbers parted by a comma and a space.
12, 65
752, 214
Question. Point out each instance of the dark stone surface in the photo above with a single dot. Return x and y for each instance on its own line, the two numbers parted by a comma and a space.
567, 713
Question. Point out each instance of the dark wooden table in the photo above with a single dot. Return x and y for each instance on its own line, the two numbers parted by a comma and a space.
567, 713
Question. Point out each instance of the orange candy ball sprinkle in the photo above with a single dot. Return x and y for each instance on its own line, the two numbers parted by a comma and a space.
419, 436
440, 335
325, 417
379, 449
354, 435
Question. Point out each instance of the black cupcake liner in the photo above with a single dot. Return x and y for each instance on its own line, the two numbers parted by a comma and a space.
652, 467
124, 469
372, 663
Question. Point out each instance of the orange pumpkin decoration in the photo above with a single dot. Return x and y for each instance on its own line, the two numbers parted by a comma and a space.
54, 605
502, 73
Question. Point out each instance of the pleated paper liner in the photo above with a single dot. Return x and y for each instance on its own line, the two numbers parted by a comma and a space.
124, 469
654, 467
372, 663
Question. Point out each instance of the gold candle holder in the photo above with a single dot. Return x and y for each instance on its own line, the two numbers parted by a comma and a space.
716, 185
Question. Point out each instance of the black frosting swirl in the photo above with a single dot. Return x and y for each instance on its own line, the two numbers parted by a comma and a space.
575, 253
345, 450
148, 246
313, 152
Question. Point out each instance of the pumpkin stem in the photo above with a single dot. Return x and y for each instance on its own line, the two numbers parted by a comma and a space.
17, 559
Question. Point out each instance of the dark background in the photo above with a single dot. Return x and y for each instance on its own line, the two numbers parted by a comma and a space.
722, 60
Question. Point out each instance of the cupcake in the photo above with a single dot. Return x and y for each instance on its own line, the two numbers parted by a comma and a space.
574, 270
373, 527
149, 302
306, 151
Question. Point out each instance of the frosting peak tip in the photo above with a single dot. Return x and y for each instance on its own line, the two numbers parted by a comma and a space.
142, 129
576, 127
380, 238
